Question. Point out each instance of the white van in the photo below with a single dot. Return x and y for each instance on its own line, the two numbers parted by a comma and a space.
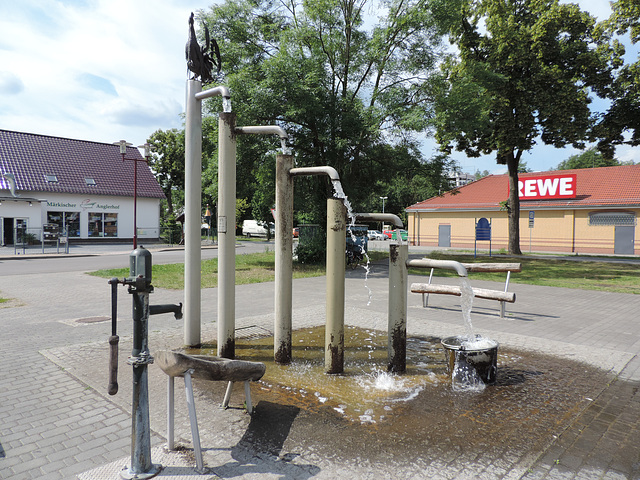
253, 228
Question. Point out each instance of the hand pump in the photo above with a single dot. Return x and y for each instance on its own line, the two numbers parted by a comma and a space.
139, 283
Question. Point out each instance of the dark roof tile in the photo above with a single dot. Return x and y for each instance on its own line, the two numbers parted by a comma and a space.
31, 157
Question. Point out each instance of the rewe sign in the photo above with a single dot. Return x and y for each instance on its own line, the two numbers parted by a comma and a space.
547, 186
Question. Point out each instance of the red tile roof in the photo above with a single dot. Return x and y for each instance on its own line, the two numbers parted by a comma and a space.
606, 186
32, 157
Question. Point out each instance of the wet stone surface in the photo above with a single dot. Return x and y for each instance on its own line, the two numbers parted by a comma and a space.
368, 415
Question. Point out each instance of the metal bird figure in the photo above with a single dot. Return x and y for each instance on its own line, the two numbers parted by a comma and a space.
202, 59
193, 52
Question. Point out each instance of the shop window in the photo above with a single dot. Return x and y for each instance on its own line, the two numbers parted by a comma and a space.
65, 220
612, 219
103, 224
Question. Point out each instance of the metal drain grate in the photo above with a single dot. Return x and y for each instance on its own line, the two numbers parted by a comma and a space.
253, 332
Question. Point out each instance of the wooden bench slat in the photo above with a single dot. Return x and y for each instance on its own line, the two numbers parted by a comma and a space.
493, 267
509, 297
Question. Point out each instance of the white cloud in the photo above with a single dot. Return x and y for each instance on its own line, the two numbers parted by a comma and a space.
109, 69
93, 69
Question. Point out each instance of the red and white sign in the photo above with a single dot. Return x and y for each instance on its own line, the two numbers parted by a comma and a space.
547, 187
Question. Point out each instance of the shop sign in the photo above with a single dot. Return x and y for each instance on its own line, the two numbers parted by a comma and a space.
86, 204
547, 187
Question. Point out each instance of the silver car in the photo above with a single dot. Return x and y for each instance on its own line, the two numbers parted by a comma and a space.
375, 235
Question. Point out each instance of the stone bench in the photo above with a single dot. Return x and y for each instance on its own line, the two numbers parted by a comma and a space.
176, 364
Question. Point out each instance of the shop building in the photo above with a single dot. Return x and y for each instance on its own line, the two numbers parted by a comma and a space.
84, 190
589, 211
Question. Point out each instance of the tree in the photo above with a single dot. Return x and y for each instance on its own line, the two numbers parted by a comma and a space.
622, 116
525, 71
167, 163
590, 158
348, 96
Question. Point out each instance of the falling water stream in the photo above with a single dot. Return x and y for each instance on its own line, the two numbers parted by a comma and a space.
339, 194
226, 104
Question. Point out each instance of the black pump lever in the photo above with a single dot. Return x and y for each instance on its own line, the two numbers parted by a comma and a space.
113, 339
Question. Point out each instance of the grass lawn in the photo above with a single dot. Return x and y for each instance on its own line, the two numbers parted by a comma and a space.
259, 267
552, 272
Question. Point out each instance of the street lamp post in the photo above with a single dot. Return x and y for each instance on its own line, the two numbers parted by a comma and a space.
147, 153
383, 199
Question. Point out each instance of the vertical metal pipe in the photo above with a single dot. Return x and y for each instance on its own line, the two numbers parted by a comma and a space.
397, 340
192, 211
284, 260
141, 466
336, 247
226, 234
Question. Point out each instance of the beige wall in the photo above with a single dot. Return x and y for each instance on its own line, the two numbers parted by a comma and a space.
553, 231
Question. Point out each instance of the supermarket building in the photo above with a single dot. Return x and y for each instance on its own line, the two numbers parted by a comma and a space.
589, 211
74, 187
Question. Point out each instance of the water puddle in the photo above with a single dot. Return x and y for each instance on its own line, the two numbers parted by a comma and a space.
365, 392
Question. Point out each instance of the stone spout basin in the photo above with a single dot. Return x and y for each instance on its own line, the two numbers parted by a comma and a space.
204, 367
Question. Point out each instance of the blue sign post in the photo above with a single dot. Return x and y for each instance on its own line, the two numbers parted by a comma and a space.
483, 233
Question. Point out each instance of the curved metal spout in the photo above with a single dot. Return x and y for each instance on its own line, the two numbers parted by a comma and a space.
220, 91
325, 170
444, 264
263, 130
380, 217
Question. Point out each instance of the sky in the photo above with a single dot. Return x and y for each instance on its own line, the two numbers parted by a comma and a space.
106, 70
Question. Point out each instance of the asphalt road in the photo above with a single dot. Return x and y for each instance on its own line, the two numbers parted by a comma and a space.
113, 256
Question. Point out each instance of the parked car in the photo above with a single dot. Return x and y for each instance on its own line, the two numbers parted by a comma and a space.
388, 234
375, 235
254, 228
404, 235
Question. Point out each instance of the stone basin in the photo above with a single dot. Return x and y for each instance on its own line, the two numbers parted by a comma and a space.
206, 367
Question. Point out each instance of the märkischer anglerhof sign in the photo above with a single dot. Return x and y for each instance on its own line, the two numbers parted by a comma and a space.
546, 187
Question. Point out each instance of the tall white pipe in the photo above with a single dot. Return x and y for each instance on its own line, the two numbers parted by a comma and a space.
331, 172
263, 130
459, 268
192, 212
397, 312
284, 260
336, 247
380, 217
226, 234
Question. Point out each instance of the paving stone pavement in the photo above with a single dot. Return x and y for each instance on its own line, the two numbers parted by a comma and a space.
56, 421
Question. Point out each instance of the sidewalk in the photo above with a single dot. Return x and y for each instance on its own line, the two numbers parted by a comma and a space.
57, 422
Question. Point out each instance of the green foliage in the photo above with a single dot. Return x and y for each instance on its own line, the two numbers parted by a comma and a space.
312, 249
167, 164
349, 96
525, 71
590, 158
622, 116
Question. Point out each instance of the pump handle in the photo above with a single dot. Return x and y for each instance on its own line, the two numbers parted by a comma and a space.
113, 340
113, 364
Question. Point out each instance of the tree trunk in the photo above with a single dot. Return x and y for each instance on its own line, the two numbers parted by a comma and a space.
514, 203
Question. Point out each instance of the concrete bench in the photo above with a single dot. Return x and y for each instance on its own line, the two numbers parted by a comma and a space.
502, 296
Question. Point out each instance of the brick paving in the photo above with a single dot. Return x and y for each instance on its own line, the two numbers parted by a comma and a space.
56, 422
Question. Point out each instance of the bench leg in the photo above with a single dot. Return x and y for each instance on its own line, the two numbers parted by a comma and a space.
227, 395
195, 434
247, 397
425, 296
502, 309
170, 411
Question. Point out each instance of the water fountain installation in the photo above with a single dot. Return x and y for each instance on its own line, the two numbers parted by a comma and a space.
338, 210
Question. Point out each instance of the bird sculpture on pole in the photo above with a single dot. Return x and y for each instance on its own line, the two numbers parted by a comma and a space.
202, 58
